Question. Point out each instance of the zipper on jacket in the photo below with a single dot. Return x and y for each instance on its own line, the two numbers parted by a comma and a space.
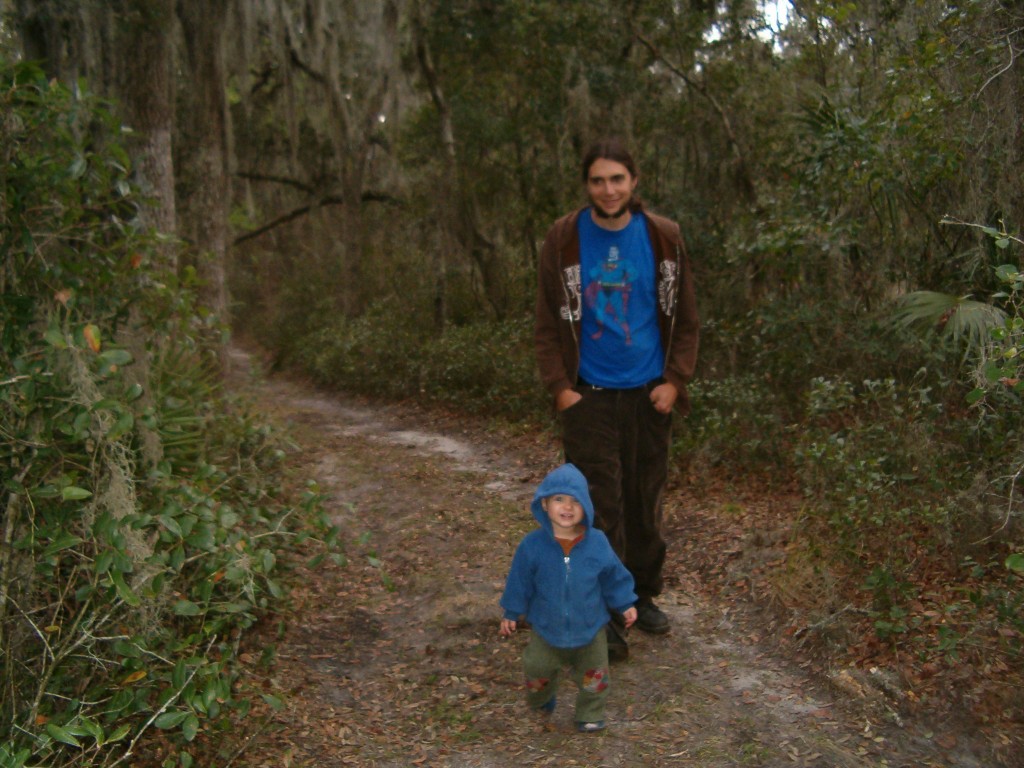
565, 599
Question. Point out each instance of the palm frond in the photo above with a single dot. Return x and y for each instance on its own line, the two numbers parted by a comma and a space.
959, 318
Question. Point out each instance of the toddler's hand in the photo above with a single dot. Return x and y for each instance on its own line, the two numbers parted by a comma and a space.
508, 626
629, 616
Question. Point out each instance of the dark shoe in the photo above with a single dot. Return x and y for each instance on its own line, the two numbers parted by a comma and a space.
650, 618
548, 707
618, 648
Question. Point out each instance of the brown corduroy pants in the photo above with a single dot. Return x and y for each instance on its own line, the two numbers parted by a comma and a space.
621, 445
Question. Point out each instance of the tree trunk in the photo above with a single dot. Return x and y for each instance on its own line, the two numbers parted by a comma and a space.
203, 181
142, 81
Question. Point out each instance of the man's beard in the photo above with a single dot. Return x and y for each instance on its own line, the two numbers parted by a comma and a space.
602, 214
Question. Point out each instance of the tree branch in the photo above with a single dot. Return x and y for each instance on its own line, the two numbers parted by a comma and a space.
131, 747
1004, 70
302, 210
253, 176
303, 66
296, 213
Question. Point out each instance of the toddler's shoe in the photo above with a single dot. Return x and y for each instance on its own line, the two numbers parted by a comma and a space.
549, 706
590, 727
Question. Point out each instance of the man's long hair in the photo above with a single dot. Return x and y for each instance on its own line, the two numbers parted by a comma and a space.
611, 148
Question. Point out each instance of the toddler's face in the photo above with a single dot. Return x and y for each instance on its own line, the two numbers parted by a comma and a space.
564, 511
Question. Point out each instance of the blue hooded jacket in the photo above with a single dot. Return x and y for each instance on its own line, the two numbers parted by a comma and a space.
566, 599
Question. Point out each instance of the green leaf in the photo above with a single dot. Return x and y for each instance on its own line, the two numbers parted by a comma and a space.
190, 727
275, 703
115, 357
177, 558
1007, 272
55, 338
960, 318
123, 590
60, 734
119, 733
1015, 562
994, 372
170, 720
171, 525
74, 493
124, 424
83, 726
47, 491
268, 560
210, 694
180, 674
274, 589
203, 538
186, 608
64, 540
104, 560
15, 760
78, 166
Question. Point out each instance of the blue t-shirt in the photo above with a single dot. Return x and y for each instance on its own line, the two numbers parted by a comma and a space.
621, 345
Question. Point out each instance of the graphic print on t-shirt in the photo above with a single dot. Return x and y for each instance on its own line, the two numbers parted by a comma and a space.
620, 343
608, 293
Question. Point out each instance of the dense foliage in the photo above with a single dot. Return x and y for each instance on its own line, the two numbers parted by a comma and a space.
141, 521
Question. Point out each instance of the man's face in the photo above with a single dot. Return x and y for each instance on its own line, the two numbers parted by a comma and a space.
610, 187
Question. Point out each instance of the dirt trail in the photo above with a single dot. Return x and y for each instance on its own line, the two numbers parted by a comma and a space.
395, 659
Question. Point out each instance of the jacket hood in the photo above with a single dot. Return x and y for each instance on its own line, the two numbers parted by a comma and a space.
565, 479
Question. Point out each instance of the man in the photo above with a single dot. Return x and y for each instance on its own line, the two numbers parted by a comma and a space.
616, 342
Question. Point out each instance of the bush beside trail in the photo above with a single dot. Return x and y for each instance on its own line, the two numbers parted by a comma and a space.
145, 510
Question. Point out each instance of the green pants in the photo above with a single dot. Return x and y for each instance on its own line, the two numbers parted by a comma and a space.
587, 665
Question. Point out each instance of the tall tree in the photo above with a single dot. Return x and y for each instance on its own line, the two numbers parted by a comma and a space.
143, 51
201, 157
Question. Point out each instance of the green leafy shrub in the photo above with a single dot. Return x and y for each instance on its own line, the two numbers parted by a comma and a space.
869, 459
734, 422
485, 367
140, 534
377, 353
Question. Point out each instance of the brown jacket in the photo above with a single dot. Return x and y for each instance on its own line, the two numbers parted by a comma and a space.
560, 305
